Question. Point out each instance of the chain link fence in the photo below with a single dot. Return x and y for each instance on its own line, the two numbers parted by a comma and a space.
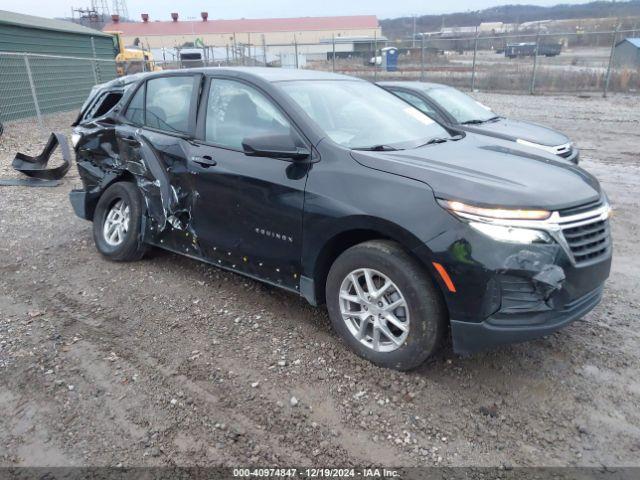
37, 85
526, 62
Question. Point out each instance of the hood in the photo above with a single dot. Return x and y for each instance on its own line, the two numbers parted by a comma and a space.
508, 129
490, 172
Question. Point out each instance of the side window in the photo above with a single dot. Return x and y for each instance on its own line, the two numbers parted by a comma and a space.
168, 103
103, 105
135, 110
417, 102
236, 111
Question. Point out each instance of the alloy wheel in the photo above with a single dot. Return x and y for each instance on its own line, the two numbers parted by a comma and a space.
374, 310
116, 223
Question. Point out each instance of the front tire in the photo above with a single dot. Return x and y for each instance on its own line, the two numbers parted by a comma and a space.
384, 305
117, 223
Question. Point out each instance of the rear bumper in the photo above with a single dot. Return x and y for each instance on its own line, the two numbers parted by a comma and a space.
470, 337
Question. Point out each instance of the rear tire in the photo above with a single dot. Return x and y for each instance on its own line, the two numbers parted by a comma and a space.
117, 223
392, 286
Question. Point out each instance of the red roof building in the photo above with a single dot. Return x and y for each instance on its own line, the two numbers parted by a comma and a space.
175, 32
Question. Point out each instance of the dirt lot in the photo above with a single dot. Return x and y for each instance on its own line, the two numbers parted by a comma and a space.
172, 362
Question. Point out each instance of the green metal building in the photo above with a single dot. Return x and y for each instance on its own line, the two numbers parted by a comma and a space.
49, 65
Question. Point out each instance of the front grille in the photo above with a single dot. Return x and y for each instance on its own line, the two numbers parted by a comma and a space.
588, 239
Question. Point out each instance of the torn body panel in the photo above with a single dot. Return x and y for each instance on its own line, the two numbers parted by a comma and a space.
108, 153
196, 210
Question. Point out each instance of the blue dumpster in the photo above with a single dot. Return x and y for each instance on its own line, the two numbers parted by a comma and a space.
390, 59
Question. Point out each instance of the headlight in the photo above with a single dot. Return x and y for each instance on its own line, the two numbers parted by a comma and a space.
75, 139
473, 213
511, 234
502, 224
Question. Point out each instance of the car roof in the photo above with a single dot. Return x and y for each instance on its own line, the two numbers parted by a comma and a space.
419, 86
264, 73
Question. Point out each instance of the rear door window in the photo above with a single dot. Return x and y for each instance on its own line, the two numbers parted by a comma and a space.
168, 103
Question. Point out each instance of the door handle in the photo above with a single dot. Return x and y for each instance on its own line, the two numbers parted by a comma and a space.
205, 161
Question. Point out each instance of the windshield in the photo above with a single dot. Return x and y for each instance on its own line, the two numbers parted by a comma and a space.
360, 115
460, 105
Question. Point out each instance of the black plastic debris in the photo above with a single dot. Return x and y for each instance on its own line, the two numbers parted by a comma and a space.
36, 167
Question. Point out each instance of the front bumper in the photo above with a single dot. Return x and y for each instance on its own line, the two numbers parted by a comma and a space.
469, 337
508, 292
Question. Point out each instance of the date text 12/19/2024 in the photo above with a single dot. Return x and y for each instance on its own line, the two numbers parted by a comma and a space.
315, 473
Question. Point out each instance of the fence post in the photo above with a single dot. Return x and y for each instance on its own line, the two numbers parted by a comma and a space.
234, 52
422, 58
33, 90
532, 85
610, 65
295, 49
473, 68
94, 63
249, 48
264, 50
333, 58
375, 56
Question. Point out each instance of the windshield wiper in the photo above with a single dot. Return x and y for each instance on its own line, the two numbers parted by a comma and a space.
477, 121
378, 148
435, 140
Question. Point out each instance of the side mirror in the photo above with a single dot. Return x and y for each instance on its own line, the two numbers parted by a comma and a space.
274, 146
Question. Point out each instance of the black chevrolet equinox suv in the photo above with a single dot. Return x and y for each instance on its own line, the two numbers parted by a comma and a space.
333, 188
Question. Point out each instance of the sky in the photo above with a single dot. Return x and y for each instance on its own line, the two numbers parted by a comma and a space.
233, 9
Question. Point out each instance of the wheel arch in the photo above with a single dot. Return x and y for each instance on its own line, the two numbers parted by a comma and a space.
353, 232
108, 180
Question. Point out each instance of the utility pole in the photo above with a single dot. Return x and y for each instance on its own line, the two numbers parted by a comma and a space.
413, 38
532, 86
610, 65
422, 57
473, 69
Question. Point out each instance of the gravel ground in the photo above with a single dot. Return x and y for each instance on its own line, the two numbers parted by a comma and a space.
172, 362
